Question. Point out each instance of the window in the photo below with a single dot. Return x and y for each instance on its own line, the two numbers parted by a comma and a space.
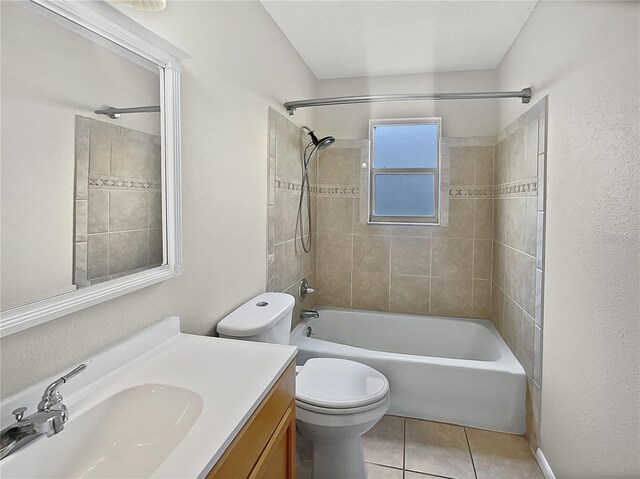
404, 179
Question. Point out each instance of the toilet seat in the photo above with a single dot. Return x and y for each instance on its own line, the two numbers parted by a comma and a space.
339, 386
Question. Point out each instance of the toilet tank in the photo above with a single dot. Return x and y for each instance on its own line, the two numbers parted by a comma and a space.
265, 318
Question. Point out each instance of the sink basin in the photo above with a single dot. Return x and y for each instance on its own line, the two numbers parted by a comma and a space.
127, 435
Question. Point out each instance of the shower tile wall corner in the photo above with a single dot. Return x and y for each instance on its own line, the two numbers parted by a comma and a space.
287, 264
518, 247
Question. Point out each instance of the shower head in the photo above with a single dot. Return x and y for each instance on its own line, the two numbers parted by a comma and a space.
323, 142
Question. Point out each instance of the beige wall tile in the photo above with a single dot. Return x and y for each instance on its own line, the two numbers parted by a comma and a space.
482, 298
337, 166
360, 226
98, 211
335, 215
513, 228
80, 264
97, 255
518, 333
520, 277
483, 219
80, 221
451, 297
410, 255
370, 291
155, 246
99, 152
128, 210
128, 250
334, 287
530, 169
334, 252
155, 209
409, 294
484, 165
460, 224
371, 254
129, 157
498, 263
286, 211
417, 231
530, 225
463, 167
537, 355
482, 259
539, 297
384, 443
452, 257
288, 264
497, 455
499, 220
497, 306
437, 448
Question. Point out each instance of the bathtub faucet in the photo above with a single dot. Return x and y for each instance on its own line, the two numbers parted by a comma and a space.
309, 313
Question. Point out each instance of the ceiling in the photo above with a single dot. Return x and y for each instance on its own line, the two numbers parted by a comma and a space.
340, 39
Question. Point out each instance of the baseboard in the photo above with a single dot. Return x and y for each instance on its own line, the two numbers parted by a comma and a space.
544, 465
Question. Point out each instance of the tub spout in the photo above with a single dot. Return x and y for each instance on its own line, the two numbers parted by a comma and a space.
309, 313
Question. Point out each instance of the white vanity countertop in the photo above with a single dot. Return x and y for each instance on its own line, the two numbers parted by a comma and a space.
232, 377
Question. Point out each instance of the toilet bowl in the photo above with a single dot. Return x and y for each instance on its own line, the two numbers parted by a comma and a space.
337, 400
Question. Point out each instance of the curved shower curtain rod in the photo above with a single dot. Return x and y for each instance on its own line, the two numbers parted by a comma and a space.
292, 106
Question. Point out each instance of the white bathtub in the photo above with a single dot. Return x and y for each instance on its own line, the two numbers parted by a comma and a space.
451, 370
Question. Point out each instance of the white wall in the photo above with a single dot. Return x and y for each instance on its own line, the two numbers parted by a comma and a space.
459, 117
45, 84
241, 65
585, 56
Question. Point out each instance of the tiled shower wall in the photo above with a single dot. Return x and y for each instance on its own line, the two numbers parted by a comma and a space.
118, 210
287, 264
518, 240
439, 270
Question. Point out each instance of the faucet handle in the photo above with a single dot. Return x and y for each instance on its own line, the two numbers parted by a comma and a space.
70, 374
19, 413
51, 396
305, 289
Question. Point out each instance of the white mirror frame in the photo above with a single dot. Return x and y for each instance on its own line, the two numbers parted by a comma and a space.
114, 26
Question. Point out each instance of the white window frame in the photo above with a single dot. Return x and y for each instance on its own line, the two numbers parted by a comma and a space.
436, 171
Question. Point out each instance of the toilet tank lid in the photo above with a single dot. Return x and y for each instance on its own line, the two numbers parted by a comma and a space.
257, 315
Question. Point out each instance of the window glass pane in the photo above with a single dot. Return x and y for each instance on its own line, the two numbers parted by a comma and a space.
405, 146
404, 195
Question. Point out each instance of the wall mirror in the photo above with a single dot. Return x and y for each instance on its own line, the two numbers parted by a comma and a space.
90, 186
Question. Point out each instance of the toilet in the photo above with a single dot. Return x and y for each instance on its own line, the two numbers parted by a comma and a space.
337, 400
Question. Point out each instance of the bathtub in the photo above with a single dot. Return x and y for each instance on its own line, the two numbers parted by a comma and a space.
452, 370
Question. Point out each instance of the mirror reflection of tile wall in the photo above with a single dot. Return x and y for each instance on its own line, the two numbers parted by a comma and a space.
118, 202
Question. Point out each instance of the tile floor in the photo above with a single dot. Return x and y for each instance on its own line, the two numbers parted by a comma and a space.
403, 448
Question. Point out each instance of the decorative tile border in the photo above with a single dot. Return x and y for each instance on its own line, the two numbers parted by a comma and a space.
117, 183
350, 191
471, 192
528, 187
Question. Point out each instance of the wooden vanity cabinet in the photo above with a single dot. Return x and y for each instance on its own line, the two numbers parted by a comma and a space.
265, 447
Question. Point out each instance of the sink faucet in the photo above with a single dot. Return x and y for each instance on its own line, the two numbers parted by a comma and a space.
48, 420
309, 313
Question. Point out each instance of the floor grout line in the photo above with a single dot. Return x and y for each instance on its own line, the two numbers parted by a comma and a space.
404, 446
473, 464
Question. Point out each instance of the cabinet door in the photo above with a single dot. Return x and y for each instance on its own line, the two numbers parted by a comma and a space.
278, 460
